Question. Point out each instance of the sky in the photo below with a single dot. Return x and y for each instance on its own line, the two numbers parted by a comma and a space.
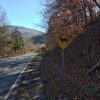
25, 13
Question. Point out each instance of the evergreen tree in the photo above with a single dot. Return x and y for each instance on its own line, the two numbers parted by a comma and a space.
18, 41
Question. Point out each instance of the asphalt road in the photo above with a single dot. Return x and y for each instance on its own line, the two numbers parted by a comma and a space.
11, 70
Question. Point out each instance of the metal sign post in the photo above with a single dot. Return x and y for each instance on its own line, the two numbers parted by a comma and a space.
63, 40
62, 71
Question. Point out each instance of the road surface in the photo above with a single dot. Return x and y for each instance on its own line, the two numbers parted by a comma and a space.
11, 70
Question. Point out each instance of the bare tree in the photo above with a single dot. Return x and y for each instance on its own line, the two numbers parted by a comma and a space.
71, 14
4, 36
3, 17
97, 3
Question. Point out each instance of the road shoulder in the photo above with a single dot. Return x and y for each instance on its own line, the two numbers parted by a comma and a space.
31, 85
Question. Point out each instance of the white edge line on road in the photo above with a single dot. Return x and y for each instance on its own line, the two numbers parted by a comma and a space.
14, 85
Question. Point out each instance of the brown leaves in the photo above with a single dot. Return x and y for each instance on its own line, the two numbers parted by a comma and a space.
78, 60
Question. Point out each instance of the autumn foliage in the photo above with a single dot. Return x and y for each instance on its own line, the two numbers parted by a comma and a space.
81, 20
71, 16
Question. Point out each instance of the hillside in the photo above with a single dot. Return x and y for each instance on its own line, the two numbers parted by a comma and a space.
40, 39
82, 55
26, 32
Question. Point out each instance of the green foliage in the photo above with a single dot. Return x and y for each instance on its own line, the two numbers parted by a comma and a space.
18, 41
2, 37
3, 33
91, 89
11, 40
5, 38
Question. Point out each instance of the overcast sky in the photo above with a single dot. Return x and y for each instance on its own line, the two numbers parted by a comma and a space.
25, 13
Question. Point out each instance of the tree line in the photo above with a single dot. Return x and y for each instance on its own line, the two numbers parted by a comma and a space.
11, 40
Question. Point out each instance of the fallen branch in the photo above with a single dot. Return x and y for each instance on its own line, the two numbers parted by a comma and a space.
94, 68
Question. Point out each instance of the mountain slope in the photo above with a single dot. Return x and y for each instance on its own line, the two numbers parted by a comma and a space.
26, 32
40, 39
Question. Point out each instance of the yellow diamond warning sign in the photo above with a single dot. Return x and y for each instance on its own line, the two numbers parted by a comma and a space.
62, 40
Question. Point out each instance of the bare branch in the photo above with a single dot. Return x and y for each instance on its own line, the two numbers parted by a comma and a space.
97, 4
94, 68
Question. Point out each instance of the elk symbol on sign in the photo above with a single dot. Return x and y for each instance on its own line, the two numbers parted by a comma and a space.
63, 39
